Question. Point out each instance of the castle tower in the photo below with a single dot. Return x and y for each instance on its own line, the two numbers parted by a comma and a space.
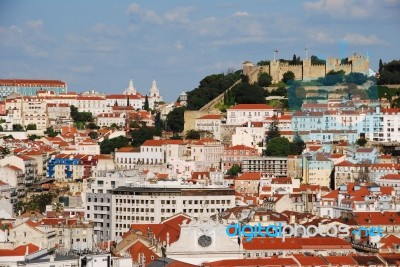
307, 69
131, 89
154, 92
274, 71
183, 98
359, 63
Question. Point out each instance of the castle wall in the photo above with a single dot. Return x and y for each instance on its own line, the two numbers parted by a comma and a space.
359, 64
316, 72
356, 63
189, 118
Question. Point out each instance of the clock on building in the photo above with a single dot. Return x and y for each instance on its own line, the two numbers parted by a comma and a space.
204, 240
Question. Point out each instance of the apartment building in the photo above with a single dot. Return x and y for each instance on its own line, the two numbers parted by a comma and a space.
155, 203
30, 87
98, 198
210, 123
239, 114
271, 165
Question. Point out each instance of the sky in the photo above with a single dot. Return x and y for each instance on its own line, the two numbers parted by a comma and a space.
102, 44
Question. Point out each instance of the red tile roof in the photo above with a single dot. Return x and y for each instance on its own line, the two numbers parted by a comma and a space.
377, 218
345, 163
250, 176
139, 248
253, 262
19, 251
34, 83
210, 117
250, 107
162, 142
340, 260
127, 149
310, 260
389, 242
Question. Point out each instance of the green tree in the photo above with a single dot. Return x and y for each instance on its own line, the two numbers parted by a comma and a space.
361, 141
80, 116
297, 146
278, 147
273, 129
18, 128
175, 120
390, 73
38, 203
146, 104
134, 124
249, 94
50, 132
93, 135
380, 66
234, 170
4, 151
31, 126
264, 79
33, 137
288, 77
209, 88
356, 78
92, 126
109, 145
245, 79
316, 61
114, 125
296, 95
280, 91
263, 63
332, 78
143, 133
192, 134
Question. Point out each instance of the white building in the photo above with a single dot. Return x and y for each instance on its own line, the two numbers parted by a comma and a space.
154, 203
242, 113
98, 198
210, 123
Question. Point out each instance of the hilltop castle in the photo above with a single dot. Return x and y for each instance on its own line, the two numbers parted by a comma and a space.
306, 71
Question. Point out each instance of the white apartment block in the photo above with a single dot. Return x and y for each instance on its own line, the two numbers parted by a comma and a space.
94, 104
155, 203
208, 151
243, 113
98, 198
27, 110
108, 119
211, 123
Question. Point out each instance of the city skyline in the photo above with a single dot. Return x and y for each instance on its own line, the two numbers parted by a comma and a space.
102, 46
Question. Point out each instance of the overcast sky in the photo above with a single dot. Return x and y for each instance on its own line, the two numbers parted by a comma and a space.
103, 44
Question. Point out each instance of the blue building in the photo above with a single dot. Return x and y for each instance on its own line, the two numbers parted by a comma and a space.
67, 161
30, 87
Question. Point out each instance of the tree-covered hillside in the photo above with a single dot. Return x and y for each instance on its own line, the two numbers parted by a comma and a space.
209, 88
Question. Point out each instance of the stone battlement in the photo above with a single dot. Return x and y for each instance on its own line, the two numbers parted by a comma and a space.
306, 71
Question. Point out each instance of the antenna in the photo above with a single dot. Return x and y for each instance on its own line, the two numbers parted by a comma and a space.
275, 52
